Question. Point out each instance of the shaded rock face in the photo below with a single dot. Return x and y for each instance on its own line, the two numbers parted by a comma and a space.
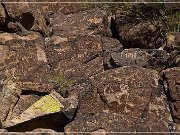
123, 99
140, 27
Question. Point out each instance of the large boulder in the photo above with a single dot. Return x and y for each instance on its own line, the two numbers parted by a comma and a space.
120, 100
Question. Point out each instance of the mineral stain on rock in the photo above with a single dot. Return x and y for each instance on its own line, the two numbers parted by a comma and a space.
95, 68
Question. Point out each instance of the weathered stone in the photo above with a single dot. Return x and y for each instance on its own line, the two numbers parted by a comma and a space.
171, 78
41, 131
46, 105
23, 58
77, 58
86, 23
173, 41
30, 15
140, 27
174, 60
147, 58
2, 15
123, 99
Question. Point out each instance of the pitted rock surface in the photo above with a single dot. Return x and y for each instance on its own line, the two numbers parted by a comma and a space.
131, 97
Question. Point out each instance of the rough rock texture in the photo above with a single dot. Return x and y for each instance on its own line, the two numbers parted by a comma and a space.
147, 58
2, 15
23, 58
172, 86
140, 26
30, 15
95, 68
123, 99
173, 41
85, 23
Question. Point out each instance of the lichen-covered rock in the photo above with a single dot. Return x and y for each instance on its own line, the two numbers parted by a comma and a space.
123, 99
46, 105
171, 78
140, 26
85, 23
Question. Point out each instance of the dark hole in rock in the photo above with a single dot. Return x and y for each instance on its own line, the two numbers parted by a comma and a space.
27, 20
38, 93
56, 121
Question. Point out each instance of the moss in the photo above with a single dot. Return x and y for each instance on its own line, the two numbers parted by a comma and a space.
47, 104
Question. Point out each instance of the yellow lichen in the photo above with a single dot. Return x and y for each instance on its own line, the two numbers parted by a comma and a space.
47, 104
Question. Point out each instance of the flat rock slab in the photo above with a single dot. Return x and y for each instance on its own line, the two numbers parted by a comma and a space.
123, 99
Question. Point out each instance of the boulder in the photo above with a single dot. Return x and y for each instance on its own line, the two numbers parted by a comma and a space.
120, 100
30, 15
23, 57
141, 26
85, 23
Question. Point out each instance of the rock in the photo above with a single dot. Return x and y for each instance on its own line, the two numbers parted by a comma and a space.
171, 79
75, 59
173, 41
2, 15
146, 58
140, 26
30, 15
66, 8
85, 23
174, 60
40, 131
110, 46
23, 58
46, 105
120, 100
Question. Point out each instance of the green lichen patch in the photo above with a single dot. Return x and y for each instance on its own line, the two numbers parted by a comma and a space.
47, 104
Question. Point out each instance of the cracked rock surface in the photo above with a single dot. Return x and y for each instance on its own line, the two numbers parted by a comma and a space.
94, 68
